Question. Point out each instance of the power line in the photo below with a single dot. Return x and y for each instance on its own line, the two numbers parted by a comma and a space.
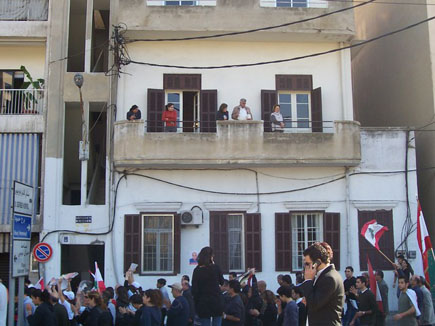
288, 59
382, 2
251, 30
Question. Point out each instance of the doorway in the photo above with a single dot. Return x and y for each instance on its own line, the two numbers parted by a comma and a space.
190, 112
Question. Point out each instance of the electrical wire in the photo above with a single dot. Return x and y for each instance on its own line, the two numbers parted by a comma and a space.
266, 28
80, 53
383, 2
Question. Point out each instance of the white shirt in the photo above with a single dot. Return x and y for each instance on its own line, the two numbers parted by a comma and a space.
67, 306
3, 304
243, 114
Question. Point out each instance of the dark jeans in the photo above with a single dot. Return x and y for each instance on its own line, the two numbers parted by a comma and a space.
348, 316
170, 129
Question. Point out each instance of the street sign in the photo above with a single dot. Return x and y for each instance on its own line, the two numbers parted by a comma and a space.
23, 198
22, 227
20, 258
42, 252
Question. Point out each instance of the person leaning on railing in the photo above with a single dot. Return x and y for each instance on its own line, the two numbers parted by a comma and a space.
169, 116
276, 119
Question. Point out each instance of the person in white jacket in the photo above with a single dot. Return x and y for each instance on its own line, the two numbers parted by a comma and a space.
3, 304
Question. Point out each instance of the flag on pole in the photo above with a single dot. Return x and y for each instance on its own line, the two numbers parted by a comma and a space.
99, 282
426, 248
40, 284
372, 232
374, 286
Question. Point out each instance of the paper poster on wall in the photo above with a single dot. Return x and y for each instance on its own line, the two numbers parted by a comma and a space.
194, 259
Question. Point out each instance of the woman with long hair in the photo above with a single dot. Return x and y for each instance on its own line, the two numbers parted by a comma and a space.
151, 314
206, 279
96, 313
222, 113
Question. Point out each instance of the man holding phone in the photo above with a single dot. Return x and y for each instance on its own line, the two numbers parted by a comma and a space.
323, 288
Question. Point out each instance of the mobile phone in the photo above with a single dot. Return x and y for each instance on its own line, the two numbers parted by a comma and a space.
317, 263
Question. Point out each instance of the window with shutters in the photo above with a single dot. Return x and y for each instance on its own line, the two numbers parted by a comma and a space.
386, 242
236, 240
181, 3
307, 228
294, 3
295, 109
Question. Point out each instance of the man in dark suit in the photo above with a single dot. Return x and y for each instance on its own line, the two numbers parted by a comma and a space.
323, 288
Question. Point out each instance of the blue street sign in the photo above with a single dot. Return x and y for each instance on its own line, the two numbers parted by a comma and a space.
22, 227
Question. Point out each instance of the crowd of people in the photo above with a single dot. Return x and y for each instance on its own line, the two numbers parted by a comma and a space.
319, 296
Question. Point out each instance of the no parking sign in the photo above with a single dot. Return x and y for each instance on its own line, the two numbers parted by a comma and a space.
42, 252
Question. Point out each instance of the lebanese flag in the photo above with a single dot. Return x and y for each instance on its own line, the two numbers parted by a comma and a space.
374, 286
99, 279
40, 284
372, 232
424, 243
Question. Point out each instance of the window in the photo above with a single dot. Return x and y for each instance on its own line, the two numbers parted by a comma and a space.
295, 109
158, 249
236, 240
153, 242
295, 231
180, 3
306, 229
292, 3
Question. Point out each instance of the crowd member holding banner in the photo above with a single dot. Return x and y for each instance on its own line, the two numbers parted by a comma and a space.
408, 307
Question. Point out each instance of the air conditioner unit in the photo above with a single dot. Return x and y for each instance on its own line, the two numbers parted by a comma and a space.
192, 217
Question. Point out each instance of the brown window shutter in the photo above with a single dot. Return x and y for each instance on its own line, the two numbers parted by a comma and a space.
132, 240
208, 110
283, 242
219, 239
182, 81
294, 82
177, 243
386, 242
156, 106
316, 110
268, 100
331, 235
253, 241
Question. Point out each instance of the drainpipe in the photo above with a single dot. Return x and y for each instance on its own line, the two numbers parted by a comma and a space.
348, 237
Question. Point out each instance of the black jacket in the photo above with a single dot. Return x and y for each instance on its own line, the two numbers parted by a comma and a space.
324, 298
221, 115
43, 316
187, 294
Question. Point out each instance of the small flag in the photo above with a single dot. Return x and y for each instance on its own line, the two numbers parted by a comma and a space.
426, 248
374, 286
40, 284
99, 279
372, 232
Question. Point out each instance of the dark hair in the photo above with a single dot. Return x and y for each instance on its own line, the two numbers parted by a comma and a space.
418, 279
155, 296
402, 277
235, 285
136, 299
186, 278
106, 295
226, 282
122, 295
233, 274
349, 268
362, 279
134, 107
97, 299
161, 281
287, 279
299, 277
268, 296
317, 252
205, 256
298, 291
222, 107
285, 290
111, 291
43, 295
380, 273
28, 291
400, 257
167, 106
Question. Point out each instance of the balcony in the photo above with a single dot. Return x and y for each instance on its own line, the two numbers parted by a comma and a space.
235, 143
21, 110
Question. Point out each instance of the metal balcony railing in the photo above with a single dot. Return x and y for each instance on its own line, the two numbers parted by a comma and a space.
21, 101
24, 10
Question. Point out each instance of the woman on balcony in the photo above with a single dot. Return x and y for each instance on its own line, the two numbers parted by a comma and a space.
276, 119
169, 117
222, 114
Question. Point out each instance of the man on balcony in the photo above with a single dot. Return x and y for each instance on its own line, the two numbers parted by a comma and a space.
242, 112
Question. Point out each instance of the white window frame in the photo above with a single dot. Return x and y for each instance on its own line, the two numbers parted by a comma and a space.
180, 108
310, 4
294, 111
197, 3
143, 271
295, 252
242, 217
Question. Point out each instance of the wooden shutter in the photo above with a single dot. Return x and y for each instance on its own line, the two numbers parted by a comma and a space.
208, 109
331, 235
294, 82
156, 106
177, 243
316, 110
253, 241
219, 239
283, 242
132, 240
182, 81
268, 100
386, 242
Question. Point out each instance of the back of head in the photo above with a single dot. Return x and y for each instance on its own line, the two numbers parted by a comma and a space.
287, 279
235, 285
317, 252
285, 291
97, 299
205, 256
269, 297
161, 281
155, 296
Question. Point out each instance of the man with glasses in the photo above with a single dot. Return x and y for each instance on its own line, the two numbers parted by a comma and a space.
323, 288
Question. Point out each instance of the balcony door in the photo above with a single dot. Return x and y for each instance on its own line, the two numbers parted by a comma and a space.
186, 104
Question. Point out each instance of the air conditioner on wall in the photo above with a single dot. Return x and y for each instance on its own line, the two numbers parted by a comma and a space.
192, 217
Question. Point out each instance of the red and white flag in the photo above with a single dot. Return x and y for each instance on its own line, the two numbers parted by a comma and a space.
374, 286
424, 243
40, 284
372, 232
99, 279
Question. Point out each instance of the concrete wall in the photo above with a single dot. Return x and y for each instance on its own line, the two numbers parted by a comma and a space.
393, 82
12, 56
234, 15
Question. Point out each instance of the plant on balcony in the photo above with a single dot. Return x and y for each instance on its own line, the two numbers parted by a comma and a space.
31, 99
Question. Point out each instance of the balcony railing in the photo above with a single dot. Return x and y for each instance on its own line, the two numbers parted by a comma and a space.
21, 101
24, 10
